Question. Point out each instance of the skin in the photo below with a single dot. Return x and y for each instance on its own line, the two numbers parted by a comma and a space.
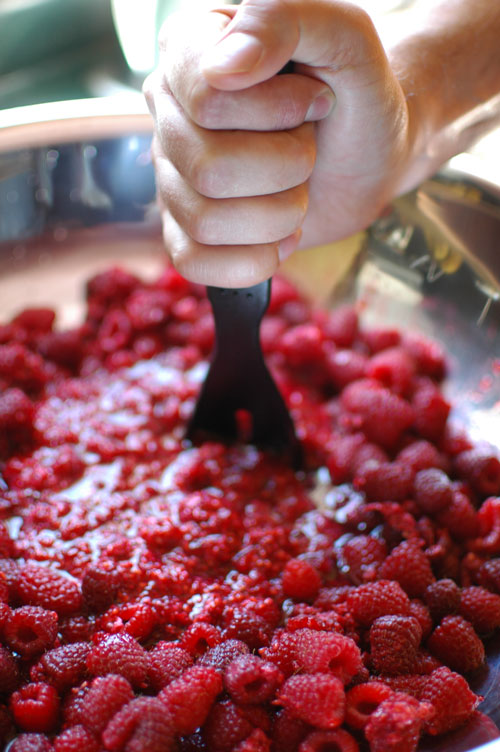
252, 165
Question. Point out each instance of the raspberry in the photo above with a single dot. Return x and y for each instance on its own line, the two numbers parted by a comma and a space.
384, 481
48, 588
420, 455
166, 662
62, 667
302, 345
317, 699
362, 700
147, 309
31, 743
63, 347
452, 700
249, 628
288, 731
360, 557
367, 454
456, 643
342, 325
142, 724
367, 602
408, 565
422, 614
431, 412
481, 608
394, 642
9, 672
190, 697
443, 598
300, 580
35, 319
76, 739
119, 654
380, 339
489, 528
19, 367
35, 707
200, 637
103, 699
251, 680
489, 575
99, 587
344, 366
460, 518
338, 740
112, 285
324, 652
222, 654
5, 725
257, 741
397, 724
480, 466
341, 456
432, 490
410, 684
429, 356
16, 411
30, 630
394, 368
226, 726
384, 416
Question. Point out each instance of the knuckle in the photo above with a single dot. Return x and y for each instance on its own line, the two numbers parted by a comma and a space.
202, 105
200, 224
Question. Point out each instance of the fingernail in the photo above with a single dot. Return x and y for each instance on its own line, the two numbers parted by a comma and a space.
236, 53
288, 245
322, 106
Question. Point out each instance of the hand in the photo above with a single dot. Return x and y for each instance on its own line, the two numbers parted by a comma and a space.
247, 161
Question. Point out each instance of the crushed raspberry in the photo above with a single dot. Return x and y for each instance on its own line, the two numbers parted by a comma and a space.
189, 698
397, 724
456, 643
408, 565
119, 654
29, 630
317, 699
35, 707
41, 586
300, 580
338, 740
394, 641
209, 598
452, 700
251, 680
141, 724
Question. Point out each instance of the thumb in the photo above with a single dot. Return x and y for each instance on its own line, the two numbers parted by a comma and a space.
263, 35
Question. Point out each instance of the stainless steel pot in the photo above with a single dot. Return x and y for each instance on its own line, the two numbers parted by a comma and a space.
77, 193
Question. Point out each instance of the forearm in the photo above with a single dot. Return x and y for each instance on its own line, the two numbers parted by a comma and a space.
447, 59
